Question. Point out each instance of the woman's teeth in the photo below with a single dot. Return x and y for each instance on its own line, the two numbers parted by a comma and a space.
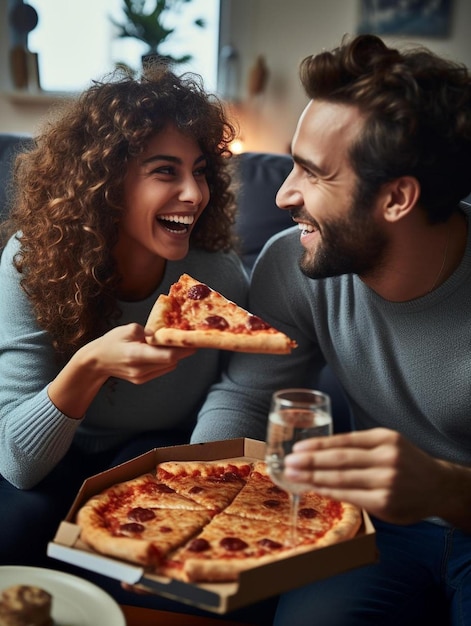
176, 223
178, 219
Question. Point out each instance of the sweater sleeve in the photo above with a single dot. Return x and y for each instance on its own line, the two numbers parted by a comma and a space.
238, 405
34, 434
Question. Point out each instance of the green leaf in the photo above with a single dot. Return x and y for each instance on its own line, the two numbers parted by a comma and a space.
148, 27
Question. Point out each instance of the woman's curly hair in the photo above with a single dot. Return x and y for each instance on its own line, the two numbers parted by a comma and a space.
417, 108
69, 194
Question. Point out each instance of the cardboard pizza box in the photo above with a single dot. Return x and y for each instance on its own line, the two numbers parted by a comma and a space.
253, 585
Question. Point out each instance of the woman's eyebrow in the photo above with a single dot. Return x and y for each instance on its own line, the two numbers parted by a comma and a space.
170, 158
161, 157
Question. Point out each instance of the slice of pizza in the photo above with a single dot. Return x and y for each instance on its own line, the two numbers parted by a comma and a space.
140, 521
261, 499
147, 491
139, 535
194, 315
229, 545
211, 484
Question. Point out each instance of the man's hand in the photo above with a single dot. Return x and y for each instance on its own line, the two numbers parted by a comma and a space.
382, 472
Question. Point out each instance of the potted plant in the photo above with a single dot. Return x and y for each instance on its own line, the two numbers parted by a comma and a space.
149, 26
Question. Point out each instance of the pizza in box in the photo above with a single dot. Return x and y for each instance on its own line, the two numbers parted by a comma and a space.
207, 521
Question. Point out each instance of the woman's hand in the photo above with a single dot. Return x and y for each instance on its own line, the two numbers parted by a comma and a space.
123, 353
378, 470
120, 353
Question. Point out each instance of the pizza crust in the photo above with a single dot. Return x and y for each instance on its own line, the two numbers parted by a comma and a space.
222, 340
225, 570
346, 527
250, 543
222, 570
156, 317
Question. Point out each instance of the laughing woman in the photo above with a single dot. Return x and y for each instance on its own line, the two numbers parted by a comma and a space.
126, 190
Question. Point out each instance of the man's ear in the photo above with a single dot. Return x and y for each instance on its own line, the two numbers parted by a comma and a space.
398, 197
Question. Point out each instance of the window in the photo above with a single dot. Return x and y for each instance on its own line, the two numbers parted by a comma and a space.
76, 42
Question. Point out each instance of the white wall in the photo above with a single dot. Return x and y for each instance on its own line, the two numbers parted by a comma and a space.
284, 32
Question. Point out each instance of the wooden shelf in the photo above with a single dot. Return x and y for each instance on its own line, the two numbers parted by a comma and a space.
37, 97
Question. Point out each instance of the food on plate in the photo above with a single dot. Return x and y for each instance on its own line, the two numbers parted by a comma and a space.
25, 605
194, 315
206, 521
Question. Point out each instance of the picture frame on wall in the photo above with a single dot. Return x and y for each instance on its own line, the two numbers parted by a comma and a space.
420, 18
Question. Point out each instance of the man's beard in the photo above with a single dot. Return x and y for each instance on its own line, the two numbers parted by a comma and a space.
353, 244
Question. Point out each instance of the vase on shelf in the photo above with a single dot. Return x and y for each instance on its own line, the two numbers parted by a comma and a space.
24, 69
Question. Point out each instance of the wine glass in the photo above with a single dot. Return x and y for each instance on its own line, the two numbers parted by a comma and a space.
295, 414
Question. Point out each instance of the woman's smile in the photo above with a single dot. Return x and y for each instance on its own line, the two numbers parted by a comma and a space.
176, 224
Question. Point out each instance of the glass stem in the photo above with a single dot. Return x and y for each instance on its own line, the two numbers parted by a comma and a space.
294, 500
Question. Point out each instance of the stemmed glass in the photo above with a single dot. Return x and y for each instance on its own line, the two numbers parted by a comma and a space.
294, 414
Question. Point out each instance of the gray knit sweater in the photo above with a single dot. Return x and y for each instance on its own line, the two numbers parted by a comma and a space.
405, 366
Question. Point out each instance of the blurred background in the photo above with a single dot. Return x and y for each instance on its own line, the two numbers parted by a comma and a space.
247, 51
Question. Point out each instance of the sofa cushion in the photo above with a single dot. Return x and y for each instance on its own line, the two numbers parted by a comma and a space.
259, 176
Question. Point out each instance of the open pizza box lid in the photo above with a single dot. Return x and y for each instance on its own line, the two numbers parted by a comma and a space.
253, 585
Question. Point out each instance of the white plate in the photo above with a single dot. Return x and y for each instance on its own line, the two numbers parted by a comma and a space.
75, 601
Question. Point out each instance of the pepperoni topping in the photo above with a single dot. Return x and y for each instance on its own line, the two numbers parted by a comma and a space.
216, 321
233, 544
140, 514
196, 489
308, 513
269, 543
152, 488
256, 323
271, 504
161, 488
165, 529
132, 527
198, 292
230, 477
199, 545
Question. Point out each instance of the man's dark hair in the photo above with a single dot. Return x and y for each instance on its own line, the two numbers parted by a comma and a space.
417, 109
